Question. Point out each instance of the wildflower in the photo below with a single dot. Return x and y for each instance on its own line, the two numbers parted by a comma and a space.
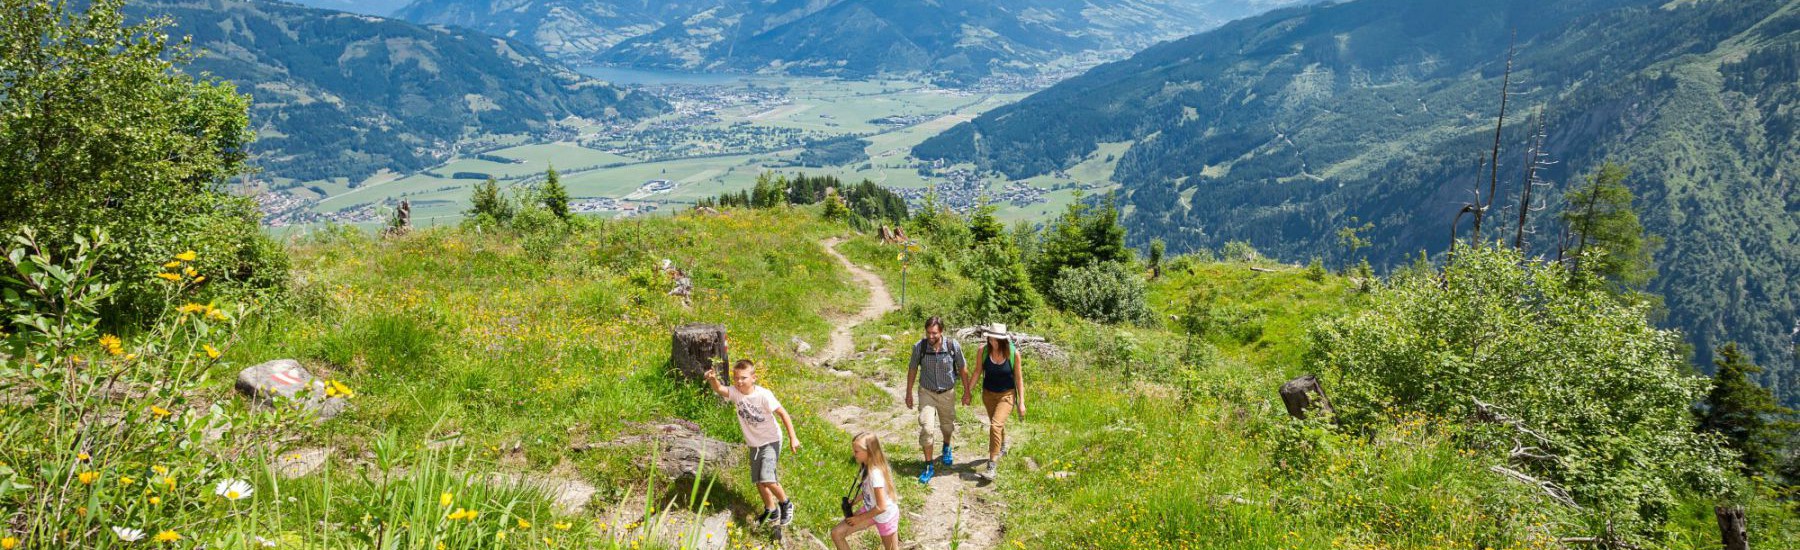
187, 256
211, 352
82, 456
159, 411
168, 536
156, 501
160, 470
112, 344
9, 543
191, 307
171, 277
216, 314
440, 545
233, 489
444, 499
190, 272
524, 524
265, 543
500, 535
461, 514
128, 534
169, 481
172, 264
87, 478
126, 480
338, 389
199, 279
562, 526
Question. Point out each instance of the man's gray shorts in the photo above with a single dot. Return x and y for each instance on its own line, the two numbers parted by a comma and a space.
762, 463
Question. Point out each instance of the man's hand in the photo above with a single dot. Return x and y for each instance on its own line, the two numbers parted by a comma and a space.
909, 400
966, 398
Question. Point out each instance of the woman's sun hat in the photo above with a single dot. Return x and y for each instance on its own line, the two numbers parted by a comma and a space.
996, 331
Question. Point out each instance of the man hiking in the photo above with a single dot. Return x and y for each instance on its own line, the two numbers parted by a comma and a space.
937, 367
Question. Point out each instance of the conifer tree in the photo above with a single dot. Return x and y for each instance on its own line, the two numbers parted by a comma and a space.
554, 196
1745, 414
1609, 240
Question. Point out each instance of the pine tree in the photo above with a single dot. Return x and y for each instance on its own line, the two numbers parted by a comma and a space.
1609, 240
985, 227
1156, 257
486, 199
1081, 237
555, 198
1744, 413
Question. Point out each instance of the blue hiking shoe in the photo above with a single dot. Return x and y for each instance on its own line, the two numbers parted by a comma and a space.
947, 460
925, 476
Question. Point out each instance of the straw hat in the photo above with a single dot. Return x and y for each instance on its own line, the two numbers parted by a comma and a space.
996, 331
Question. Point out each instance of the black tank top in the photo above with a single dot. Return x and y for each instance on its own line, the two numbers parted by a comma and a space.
996, 377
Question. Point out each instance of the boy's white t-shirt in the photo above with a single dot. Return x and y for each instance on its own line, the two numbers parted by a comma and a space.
872, 482
756, 415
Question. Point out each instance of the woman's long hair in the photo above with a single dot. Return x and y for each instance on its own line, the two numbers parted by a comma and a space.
877, 460
1005, 348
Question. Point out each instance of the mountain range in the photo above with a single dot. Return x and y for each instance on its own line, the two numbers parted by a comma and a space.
346, 95
955, 41
1283, 128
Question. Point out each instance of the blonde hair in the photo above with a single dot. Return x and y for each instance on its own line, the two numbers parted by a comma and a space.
877, 460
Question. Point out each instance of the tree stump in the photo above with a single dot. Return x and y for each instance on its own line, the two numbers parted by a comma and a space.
1733, 527
1295, 394
698, 347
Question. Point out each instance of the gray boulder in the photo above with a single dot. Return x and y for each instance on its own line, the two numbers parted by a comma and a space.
284, 380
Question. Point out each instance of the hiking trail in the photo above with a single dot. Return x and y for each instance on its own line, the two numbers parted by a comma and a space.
956, 509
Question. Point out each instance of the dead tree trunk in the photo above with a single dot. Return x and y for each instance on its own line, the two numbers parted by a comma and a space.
1303, 393
697, 347
1733, 527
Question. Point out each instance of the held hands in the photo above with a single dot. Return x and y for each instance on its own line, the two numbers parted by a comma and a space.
909, 399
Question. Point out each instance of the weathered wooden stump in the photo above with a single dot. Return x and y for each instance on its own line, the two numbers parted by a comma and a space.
1733, 527
1303, 393
697, 347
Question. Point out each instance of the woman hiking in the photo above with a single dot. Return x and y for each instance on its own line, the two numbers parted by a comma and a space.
1002, 383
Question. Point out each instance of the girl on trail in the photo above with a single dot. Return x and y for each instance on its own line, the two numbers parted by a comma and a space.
1002, 391
878, 505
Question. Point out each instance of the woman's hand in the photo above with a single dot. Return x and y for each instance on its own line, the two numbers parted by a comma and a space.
1021, 409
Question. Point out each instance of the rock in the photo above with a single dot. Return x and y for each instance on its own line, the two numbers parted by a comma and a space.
1031, 464
285, 380
698, 347
715, 530
570, 495
301, 463
800, 346
1061, 475
886, 338
682, 451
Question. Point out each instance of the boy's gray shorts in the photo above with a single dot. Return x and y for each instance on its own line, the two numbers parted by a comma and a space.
762, 463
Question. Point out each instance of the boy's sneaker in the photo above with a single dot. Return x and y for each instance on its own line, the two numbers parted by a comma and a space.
925, 476
947, 460
768, 517
787, 512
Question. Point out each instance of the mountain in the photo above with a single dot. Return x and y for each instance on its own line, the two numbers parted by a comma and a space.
346, 95
383, 8
1281, 129
964, 40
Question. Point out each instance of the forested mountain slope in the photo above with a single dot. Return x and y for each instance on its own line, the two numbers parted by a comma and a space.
958, 41
345, 95
1280, 129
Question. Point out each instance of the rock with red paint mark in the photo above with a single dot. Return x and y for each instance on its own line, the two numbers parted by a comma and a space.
285, 381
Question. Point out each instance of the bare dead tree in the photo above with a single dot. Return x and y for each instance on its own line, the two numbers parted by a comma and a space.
1499, 124
1536, 159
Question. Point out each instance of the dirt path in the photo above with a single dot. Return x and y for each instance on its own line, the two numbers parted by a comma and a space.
956, 508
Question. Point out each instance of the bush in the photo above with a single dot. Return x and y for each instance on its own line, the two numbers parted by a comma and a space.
1608, 391
1110, 292
1002, 292
119, 139
1239, 251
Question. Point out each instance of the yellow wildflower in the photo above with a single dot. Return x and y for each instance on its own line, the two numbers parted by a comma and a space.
160, 470
126, 480
216, 315
87, 478
187, 256
211, 352
190, 272
168, 536
159, 411
462, 514
169, 276
338, 389
112, 344
82, 456
9, 543
444, 499
562, 526
172, 264
524, 524
156, 501
169, 481
191, 307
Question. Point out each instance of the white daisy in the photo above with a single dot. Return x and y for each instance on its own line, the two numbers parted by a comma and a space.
265, 543
233, 489
128, 534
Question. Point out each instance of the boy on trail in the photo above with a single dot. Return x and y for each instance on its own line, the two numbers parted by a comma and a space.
757, 411
937, 367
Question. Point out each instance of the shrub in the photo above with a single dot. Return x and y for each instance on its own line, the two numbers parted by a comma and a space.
1002, 292
1607, 390
1239, 251
1110, 292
